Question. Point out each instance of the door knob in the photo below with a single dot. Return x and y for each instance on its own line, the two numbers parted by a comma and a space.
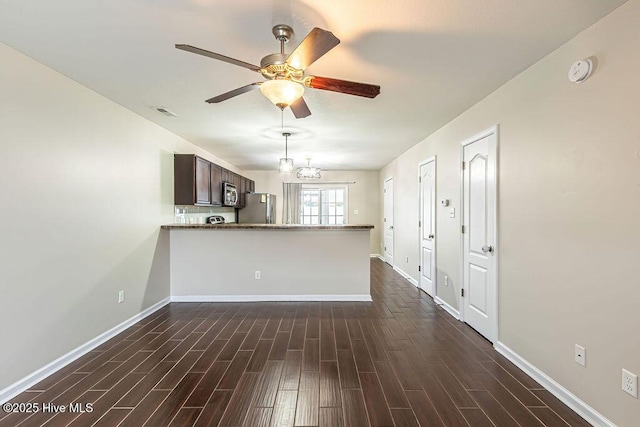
486, 249
431, 236
391, 228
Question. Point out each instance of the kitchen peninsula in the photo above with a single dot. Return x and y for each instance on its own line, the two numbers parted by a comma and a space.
269, 262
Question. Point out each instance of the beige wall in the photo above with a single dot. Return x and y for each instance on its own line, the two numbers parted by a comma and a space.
85, 185
569, 203
364, 194
294, 264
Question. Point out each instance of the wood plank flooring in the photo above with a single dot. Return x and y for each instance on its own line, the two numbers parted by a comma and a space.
398, 361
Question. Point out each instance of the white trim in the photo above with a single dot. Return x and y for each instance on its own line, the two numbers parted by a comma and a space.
568, 398
410, 279
435, 220
449, 309
384, 226
376, 256
37, 376
493, 152
266, 298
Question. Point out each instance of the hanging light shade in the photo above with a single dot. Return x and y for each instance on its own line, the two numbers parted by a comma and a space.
286, 164
282, 92
308, 172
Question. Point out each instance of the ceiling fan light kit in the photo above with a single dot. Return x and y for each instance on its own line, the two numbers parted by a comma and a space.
281, 92
285, 74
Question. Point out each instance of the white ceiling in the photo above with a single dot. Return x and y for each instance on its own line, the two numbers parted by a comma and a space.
432, 58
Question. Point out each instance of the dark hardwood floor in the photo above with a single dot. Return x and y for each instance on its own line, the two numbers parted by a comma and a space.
400, 360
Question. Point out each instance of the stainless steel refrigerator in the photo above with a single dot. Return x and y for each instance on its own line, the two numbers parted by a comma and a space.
260, 208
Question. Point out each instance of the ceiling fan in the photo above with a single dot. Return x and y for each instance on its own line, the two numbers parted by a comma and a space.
285, 74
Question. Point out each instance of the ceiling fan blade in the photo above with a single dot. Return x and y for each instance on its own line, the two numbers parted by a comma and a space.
342, 86
300, 108
317, 43
233, 93
217, 56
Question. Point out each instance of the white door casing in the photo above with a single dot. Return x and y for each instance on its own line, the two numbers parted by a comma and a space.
388, 220
479, 294
427, 181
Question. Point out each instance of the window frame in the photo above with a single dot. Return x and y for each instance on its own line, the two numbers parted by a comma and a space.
320, 188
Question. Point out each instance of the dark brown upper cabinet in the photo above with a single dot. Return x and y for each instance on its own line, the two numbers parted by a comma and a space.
242, 191
225, 175
216, 184
192, 180
199, 182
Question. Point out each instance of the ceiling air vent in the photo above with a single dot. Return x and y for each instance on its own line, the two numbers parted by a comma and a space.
165, 111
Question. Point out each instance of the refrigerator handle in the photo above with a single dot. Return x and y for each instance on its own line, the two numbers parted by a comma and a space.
268, 218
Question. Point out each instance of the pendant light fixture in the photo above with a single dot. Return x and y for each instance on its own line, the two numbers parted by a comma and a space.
286, 164
308, 172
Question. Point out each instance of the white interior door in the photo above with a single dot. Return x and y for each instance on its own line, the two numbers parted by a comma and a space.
479, 293
428, 226
388, 221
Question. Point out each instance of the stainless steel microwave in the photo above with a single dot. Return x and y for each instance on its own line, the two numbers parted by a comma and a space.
229, 194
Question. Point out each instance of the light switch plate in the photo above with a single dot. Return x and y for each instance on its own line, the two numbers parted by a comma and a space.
356, 211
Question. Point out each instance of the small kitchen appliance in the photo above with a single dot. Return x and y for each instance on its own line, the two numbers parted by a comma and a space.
229, 194
215, 219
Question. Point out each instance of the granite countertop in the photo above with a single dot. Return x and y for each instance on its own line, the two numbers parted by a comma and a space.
234, 226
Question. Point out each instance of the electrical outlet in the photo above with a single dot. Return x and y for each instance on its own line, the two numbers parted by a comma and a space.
580, 355
257, 274
120, 297
356, 212
630, 383
446, 280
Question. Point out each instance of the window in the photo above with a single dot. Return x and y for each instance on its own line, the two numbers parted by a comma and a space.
323, 205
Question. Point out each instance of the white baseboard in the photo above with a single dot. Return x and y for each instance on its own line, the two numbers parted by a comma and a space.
442, 303
568, 398
37, 376
376, 256
268, 298
410, 279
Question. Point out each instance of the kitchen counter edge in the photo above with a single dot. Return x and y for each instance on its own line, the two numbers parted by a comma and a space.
235, 226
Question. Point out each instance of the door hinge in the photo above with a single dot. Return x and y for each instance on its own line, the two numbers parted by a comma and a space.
419, 223
419, 268
385, 190
385, 220
462, 165
385, 249
419, 179
462, 292
462, 227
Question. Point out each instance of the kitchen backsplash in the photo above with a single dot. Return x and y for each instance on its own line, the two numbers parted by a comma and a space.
199, 214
